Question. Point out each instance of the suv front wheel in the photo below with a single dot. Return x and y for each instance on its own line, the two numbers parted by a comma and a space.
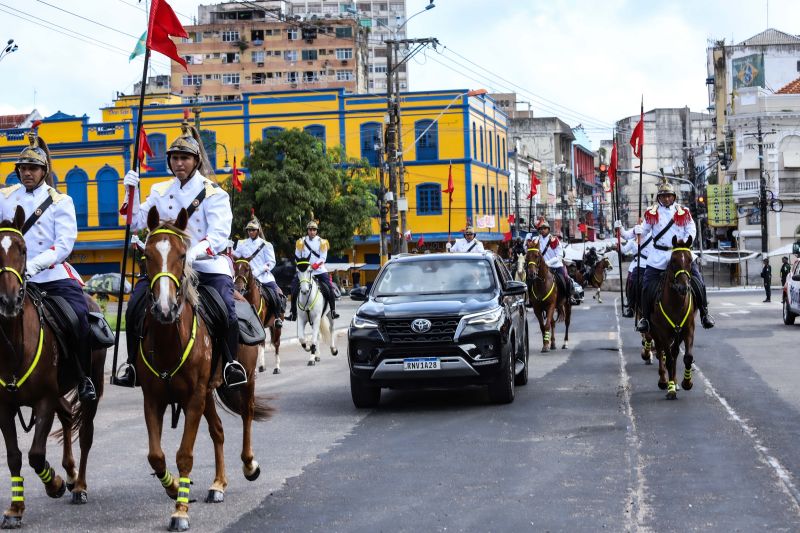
364, 395
501, 390
788, 316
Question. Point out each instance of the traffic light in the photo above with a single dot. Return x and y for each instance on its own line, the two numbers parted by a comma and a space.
701, 203
603, 170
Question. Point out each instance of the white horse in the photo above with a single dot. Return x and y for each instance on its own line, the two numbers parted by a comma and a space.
310, 306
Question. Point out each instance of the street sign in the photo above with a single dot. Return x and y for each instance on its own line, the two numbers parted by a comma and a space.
721, 206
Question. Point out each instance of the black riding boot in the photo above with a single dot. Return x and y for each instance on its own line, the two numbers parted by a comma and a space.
280, 311
233, 373
628, 311
643, 326
699, 291
83, 361
293, 307
332, 304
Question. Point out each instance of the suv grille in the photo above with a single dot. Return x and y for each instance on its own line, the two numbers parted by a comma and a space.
442, 330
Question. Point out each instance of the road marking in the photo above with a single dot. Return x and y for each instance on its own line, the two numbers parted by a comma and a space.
737, 312
784, 478
636, 508
727, 304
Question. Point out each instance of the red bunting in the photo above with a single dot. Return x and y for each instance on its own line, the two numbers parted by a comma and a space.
163, 24
534, 185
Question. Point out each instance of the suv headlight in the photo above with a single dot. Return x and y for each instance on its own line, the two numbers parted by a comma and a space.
486, 317
363, 323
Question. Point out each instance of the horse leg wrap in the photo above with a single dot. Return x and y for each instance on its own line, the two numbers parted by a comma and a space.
671, 387
47, 473
17, 489
183, 490
546, 335
687, 374
166, 480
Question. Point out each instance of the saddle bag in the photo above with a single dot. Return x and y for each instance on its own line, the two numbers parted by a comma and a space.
215, 314
251, 332
100, 334
63, 320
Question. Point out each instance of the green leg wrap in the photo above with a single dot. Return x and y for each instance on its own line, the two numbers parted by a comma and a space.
17, 489
183, 490
47, 474
687, 374
166, 479
671, 387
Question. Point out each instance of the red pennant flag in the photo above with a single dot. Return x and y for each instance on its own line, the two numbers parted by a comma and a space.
511, 218
506, 236
637, 139
164, 23
582, 227
235, 173
36, 124
144, 148
612, 168
534, 185
450, 187
421, 241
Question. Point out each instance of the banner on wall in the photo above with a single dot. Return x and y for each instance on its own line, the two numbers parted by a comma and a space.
748, 71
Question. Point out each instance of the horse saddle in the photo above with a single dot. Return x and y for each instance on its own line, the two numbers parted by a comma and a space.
274, 301
214, 312
64, 322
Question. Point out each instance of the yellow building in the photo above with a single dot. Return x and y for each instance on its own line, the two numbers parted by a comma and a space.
466, 135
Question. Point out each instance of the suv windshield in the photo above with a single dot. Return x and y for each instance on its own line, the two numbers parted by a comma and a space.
435, 277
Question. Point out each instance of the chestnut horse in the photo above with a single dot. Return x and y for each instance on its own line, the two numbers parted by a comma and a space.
248, 286
672, 319
34, 373
596, 278
547, 298
175, 366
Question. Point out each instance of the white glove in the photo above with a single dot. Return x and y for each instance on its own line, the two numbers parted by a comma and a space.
135, 241
638, 229
198, 252
617, 224
131, 179
448, 246
41, 262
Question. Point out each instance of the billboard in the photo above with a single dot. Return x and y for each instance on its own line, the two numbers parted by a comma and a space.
748, 71
721, 207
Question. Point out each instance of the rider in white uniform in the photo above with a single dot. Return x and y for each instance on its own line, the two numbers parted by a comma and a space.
469, 243
313, 250
638, 264
49, 242
261, 255
553, 253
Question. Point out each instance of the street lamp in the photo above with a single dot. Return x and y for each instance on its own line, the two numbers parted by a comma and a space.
353, 11
430, 6
10, 48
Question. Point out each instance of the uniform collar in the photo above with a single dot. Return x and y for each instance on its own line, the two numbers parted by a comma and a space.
38, 190
192, 183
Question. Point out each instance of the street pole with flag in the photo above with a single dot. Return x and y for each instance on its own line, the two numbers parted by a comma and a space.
236, 184
612, 179
161, 25
637, 142
449, 191
534, 188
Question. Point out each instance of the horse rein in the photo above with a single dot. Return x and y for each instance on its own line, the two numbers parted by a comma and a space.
168, 275
536, 276
246, 287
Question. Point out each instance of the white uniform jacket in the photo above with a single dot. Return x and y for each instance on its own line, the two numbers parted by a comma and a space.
52, 236
262, 262
631, 248
209, 224
551, 250
461, 245
312, 250
656, 219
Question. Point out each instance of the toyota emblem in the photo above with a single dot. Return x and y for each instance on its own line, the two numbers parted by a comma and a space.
420, 325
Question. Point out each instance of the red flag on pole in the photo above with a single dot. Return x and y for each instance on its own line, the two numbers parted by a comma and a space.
235, 173
582, 227
421, 241
534, 185
506, 236
164, 23
450, 187
612, 168
144, 148
511, 218
637, 138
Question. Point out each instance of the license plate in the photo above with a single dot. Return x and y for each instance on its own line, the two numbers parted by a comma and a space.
421, 363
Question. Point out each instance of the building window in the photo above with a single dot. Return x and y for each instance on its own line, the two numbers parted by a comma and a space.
108, 197
292, 34
344, 53
500, 201
270, 131
506, 194
230, 57
317, 131
475, 199
505, 155
158, 144
309, 55
345, 32
209, 138
491, 195
429, 199
230, 79
474, 142
230, 36
344, 75
427, 134
192, 79
483, 199
370, 136
290, 55
76, 189
481, 133
292, 77
491, 154
310, 76
497, 147
259, 78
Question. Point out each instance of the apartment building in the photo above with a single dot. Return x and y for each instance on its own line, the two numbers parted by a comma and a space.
243, 47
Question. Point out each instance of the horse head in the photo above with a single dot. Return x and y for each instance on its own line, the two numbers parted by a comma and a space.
305, 277
679, 268
606, 264
242, 274
171, 278
13, 253
534, 261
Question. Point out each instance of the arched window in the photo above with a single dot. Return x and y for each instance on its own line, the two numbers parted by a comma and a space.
370, 136
11, 179
107, 197
497, 147
481, 133
491, 152
209, 139
500, 200
77, 180
475, 199
317, 131
429, 199
272, 130
493, 200
505, 155
428, 142
474, 141
158, 144
483, 199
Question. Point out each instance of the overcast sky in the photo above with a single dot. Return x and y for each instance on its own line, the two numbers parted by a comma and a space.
587, 62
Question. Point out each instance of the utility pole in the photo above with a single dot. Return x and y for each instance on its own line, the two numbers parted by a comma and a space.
762, 193
391, 148
516, 191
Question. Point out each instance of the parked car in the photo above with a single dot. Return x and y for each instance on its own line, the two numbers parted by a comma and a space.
105, 285
439, 321
791, 294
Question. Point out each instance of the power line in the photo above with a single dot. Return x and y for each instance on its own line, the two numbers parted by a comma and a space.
184, 15
87, 19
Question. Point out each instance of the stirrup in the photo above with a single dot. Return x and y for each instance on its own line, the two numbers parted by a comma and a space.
128, 378
234, 374
628, 312
707, 321
86, 390
278, 322
643, 326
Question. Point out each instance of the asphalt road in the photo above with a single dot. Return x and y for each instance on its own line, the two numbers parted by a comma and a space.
589, 444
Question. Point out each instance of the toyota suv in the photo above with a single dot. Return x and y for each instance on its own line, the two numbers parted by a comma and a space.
791, 292
439, 321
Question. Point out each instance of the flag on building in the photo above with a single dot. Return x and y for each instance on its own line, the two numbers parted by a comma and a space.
637, 138
139, 49
163, 24
534, 184
612, 167
450, 187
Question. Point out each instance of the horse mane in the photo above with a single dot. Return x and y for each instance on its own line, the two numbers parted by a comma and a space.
187, 290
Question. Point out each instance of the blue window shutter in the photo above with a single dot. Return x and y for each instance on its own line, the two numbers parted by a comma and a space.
428, 142
77, 180
370, 136
108, 197
271, 130
158, 144
429, 199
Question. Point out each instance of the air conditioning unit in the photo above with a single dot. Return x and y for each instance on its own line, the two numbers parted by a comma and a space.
236, 86
260, 64
293, 85
344, 61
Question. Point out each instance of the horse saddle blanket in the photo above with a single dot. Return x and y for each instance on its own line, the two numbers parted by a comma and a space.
214, 312
274, 300
62, 318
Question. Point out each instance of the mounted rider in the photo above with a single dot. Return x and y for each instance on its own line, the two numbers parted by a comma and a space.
469, 244
665, 220
209, 225
313, 250
50, 231
552, 253
261, 256
637, 266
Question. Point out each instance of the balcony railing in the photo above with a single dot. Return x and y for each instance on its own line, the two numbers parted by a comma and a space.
745, 188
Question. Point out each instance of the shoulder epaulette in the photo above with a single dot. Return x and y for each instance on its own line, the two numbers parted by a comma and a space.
162, 188
651, 215
212, 188
55, 195
8, 191
323, 245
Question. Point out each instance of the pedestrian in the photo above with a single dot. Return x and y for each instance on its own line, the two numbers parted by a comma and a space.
766, 275
785, 269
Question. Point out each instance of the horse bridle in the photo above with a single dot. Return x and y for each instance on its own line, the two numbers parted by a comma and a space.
687, 273
23, 280
240, 277
169, 275
535, 276
310, 282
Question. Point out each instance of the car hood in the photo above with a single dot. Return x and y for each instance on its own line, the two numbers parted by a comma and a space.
426, 305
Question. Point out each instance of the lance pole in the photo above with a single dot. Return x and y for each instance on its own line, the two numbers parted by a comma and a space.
639, 237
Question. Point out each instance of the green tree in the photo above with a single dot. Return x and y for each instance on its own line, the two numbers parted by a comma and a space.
292, 179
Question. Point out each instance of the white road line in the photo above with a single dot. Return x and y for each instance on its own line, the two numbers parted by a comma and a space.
636, 507
727, 304
784, 477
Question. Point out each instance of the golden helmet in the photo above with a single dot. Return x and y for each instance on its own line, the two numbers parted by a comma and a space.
253, 224
543, 224
469, 230
665, 187
312, 225
36, 153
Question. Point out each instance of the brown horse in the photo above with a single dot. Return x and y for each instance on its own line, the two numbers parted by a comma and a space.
596, 278
34, 373
176, 367
547, 298
672, 321
248, 287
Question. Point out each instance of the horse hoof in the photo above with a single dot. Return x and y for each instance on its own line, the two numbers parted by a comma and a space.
317, 359
686, 385
262, 368
178, 523
648, 362
662, 386
59, 491
544, 349
70, 485
276, 371
565, 346
11, 522
254, 475
80, 497
215, 496
311, 363
672, 395
334, 352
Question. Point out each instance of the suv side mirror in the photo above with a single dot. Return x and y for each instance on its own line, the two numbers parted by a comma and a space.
358, 294
515, 288
796, 277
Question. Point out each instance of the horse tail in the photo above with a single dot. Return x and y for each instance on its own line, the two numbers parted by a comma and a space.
232, 401
325, 328
74, 409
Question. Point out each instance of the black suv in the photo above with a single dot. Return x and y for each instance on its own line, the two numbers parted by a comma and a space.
439, 320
